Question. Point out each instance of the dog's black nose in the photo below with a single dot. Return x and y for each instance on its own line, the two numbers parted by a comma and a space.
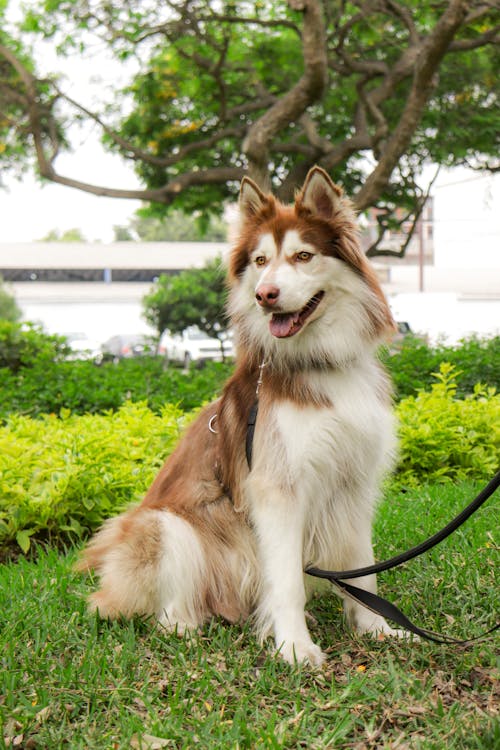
267, 294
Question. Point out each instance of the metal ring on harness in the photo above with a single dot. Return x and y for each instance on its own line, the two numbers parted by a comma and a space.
211, 424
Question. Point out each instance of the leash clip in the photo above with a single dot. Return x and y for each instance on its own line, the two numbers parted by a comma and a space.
261, 375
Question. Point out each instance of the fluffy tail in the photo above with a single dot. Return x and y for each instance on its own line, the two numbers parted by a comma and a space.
155, 563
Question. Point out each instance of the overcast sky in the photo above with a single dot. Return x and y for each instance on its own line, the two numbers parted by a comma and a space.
28, 210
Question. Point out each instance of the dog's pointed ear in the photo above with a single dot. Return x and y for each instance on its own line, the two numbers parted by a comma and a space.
319, 194
252, 199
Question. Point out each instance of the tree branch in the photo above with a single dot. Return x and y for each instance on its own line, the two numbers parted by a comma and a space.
291, 106
270, 23
434, 49
130, 151
492, 36
166, 194
373, 252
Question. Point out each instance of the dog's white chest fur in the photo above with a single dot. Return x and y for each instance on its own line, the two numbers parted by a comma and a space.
321, 449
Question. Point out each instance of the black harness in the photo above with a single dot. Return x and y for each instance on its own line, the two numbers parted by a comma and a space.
252, 420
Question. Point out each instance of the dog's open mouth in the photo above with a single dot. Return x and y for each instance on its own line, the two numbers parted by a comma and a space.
283, 325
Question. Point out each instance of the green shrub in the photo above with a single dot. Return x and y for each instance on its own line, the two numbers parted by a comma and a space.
83, 387
61, 477
413, 365
23, 345
443, 437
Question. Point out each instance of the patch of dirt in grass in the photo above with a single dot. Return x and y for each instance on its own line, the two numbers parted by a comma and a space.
479, 689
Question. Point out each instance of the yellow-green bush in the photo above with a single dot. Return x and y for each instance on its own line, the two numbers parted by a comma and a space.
61, 477
443, 437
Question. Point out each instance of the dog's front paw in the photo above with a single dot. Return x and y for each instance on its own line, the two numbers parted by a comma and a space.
302, 652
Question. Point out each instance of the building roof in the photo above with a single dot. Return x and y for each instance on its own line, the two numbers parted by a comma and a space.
174, 256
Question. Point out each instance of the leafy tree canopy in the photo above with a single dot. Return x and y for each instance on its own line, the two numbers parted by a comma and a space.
196, 296
372, 90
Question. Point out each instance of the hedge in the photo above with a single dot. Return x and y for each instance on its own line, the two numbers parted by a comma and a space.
36, 378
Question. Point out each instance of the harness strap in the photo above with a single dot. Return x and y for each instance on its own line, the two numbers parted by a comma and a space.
252, 419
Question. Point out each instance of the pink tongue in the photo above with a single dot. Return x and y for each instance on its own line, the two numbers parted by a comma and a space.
282, 326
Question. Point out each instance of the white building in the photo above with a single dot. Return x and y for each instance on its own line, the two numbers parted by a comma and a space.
97, 262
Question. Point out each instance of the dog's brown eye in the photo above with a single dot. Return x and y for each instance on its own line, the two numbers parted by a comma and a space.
303, 256
260, 260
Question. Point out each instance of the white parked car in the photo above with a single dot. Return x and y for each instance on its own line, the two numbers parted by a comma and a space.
82, 347
193, 345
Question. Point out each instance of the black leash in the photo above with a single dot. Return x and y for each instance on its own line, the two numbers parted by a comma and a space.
374, 602
381, 606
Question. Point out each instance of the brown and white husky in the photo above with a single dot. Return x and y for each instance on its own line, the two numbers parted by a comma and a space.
215, 537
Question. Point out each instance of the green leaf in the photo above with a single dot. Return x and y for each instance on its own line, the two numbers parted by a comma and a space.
23, 539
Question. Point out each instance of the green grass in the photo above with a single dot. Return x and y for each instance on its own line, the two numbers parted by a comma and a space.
72, 681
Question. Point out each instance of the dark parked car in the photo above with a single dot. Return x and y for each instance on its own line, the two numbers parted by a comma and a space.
126, 345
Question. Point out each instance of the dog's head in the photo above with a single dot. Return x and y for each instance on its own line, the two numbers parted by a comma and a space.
300, 284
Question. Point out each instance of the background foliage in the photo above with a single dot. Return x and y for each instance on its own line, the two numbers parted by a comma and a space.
196, 296
36, 379
370, 91
178, 226
81, 441
82, 387
61, 477
9, 309
24, 345
477, 360
443, 437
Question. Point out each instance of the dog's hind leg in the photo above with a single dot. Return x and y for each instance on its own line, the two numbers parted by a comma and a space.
182, 577
150, 562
